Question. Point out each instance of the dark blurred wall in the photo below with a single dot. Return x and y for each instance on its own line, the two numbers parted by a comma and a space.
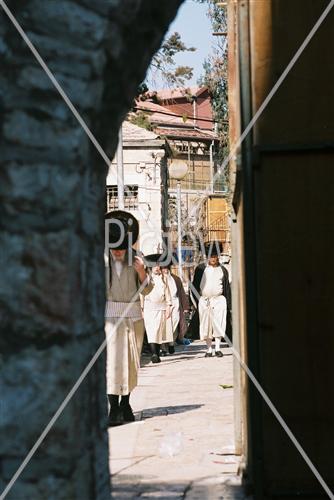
52, 201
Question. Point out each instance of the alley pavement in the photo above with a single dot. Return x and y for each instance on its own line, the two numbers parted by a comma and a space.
181, 444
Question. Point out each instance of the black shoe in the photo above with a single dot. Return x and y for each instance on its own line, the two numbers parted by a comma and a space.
171, 349
127, 412
219, 354
208, 355
115, 417
146, 350
155, 358
154, 349
163, 353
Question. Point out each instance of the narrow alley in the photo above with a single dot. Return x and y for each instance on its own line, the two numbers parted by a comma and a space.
181, 445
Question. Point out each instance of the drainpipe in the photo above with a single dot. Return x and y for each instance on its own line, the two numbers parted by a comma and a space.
194, 100
190, 180
211, 166
120, 171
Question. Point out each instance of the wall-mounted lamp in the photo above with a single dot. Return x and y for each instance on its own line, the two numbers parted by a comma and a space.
146, 166
140, 167
148, 208
143, 167
158, 155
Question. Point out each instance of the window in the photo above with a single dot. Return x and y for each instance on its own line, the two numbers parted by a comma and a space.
198, 175
130, 198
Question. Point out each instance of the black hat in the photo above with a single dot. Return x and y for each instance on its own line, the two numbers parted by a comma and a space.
157, 259
212, 248
123, 229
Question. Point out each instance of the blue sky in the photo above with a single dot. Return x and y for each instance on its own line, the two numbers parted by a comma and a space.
194, 27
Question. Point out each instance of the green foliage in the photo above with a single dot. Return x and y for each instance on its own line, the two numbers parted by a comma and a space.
142, 89
215, 72
218, 16
172, 46
141, 120
163, 62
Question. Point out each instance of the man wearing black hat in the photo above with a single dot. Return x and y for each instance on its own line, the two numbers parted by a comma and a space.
212, 294
164, 306
126, 279
179, 303
157, 309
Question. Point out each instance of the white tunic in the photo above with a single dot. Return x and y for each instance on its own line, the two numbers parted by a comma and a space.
124, 329
212, 306
155, 305
211, 282
175, 317
159, 329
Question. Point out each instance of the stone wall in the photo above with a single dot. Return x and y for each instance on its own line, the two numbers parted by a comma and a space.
52, 200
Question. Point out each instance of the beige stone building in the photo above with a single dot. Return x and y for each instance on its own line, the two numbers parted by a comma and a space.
144, 160
184, 118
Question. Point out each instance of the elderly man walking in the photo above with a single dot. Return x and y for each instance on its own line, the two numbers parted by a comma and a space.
164, 306
157, 308
179, 303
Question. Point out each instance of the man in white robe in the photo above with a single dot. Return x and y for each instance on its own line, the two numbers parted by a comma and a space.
212, 294
174, 317
157, 309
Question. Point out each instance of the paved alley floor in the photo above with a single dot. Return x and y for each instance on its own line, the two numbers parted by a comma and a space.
181, 445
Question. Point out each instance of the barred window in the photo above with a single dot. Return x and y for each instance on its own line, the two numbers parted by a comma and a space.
130, 197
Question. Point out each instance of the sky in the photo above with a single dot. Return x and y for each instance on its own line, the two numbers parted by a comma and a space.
195, 29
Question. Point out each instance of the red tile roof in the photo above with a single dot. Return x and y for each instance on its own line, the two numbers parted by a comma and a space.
185, 133
151, 106
166, 94
159, 114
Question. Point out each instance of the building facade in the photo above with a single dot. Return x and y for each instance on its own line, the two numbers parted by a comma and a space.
144, 163
184, 118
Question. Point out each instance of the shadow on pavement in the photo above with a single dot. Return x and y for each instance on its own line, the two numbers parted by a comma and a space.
136, 487
181, 354
168, 360
177, 359
133, 463
168, 410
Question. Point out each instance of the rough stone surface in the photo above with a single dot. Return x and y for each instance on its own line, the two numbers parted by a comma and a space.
52, 201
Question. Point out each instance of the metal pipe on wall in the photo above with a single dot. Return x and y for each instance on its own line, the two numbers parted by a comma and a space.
179, 230
211, 166
120, 170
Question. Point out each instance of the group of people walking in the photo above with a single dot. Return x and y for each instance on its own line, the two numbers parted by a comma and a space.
144, 295
164, 307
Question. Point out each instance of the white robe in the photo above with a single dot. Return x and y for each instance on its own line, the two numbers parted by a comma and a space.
124, 332
159, 329
212, 306
155, 305
175, 317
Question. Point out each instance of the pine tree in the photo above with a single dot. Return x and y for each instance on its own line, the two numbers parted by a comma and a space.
163, 63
